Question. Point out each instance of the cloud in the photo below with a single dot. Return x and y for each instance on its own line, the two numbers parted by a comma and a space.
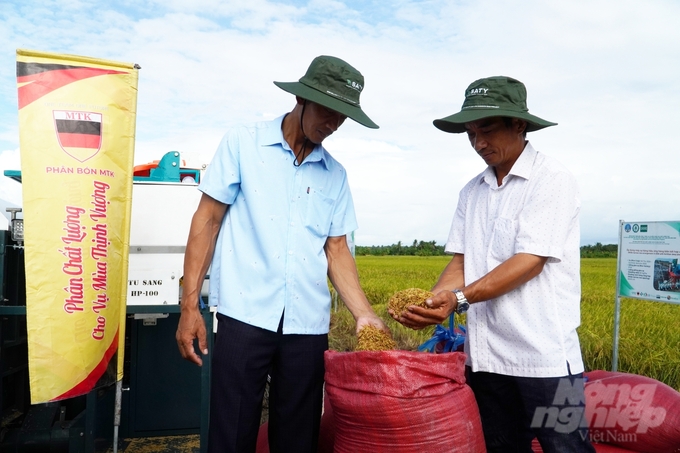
609, 75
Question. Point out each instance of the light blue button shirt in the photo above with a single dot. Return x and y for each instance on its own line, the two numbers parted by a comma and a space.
269, 254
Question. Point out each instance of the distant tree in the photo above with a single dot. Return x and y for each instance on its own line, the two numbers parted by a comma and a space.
419, 248
599, 251
430, 248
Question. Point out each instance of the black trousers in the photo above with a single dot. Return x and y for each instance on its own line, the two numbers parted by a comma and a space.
243, 356
514, 410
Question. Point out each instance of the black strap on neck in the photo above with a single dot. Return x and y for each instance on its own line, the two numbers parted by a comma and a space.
304, 143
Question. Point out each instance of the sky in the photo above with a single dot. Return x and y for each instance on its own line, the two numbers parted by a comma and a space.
608, 72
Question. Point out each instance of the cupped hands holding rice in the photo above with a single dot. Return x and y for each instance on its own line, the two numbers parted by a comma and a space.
403, 299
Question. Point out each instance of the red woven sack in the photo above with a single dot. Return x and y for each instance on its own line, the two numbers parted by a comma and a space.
600, 374
634, 412
599, 448
402, 402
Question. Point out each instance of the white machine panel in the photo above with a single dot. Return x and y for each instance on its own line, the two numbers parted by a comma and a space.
159, 228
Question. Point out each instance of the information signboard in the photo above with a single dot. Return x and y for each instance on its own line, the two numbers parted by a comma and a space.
649, 261
648, 266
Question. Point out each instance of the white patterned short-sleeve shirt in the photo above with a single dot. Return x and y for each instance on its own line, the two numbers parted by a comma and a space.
530, 331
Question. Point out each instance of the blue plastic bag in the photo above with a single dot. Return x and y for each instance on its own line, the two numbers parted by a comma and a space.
445, 339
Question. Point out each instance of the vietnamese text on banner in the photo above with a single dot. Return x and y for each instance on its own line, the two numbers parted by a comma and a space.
77, 130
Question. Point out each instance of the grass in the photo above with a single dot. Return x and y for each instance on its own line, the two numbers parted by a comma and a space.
649, 332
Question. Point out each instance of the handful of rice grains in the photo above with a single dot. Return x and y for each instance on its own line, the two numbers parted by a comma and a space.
370, 338
407, 297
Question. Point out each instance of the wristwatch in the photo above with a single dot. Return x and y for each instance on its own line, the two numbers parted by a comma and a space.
463, 303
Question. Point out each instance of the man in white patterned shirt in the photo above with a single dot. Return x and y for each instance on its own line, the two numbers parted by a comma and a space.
515, 239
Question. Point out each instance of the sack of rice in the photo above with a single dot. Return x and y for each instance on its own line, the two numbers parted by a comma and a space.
402, 402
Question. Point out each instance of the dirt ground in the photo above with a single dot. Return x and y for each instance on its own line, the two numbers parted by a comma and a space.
168, 444
177, 444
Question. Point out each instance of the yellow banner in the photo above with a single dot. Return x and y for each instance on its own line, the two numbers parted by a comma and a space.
77, 130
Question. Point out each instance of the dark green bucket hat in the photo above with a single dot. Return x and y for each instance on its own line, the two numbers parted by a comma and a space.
493, 96
333, 83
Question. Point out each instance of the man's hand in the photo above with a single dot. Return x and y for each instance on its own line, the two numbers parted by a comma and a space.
374, 320
205, 226
440, 306
342, 271
191, 326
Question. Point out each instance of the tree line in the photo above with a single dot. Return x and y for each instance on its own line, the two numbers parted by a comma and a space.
421, 248
430, 248
599, 251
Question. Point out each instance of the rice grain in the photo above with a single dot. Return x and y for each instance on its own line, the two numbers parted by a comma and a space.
370, 338
407, 297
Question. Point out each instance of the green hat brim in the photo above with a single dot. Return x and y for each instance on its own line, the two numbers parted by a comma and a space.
350, 111
456, 123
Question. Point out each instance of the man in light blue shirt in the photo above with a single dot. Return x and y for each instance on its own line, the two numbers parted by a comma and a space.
272, 221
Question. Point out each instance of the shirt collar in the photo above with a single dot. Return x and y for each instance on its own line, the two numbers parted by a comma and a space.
524, 162
273, 135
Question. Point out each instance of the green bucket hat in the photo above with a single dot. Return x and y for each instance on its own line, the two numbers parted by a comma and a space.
493, 96
333, 83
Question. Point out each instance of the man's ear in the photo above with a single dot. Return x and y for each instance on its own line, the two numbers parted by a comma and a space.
520, 125
299, 100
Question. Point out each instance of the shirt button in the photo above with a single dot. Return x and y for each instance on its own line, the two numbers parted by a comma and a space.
292, 223
290, 252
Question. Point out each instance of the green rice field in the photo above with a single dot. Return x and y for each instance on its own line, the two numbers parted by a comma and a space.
649, 338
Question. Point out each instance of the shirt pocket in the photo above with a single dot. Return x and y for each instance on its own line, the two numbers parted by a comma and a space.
503, 240
319, 214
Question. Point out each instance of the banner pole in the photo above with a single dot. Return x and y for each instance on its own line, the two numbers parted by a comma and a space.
116, 414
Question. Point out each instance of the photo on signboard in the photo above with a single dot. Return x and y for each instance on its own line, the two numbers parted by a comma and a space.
667, 275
